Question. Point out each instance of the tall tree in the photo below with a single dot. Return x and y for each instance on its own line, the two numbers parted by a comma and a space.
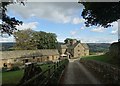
25, 40
100, 13
28, 39
68, 40
45, 40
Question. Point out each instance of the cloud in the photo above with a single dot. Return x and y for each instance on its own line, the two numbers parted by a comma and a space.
114, 32
60, 12
82, 28
78, 20
119, 29
98, 29
7, 39
0, 21
31, 25
114, 28
52, 0
97, 39
74, 32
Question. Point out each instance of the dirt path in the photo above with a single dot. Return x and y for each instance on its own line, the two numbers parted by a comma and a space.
76, 73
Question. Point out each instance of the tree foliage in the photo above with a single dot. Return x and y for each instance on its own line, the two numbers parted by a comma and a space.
29, 39
25, 40
45, 40
8, 24
100, 13
68, 39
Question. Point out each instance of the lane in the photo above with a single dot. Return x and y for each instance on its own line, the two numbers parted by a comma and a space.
76, 73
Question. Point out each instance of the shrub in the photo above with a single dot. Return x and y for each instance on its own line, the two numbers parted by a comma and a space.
49, 62
14, 68
4, 69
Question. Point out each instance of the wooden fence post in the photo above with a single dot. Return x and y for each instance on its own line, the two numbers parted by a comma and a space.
49, 76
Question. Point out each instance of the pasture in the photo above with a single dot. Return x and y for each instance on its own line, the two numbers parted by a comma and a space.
13, 77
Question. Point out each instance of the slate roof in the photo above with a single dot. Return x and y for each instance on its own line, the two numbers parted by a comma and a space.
85, 46
73, 46
20, 53
63, 46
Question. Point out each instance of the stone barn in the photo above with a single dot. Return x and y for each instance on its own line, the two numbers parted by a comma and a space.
8, 58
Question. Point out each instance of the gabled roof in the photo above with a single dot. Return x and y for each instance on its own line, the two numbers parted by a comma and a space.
20, 53
85, 46
73, 46
63, 46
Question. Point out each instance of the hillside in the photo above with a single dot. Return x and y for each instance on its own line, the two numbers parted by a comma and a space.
99, 47
94, 47
6, 46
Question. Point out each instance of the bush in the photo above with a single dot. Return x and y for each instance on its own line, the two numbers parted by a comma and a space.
14, 68
49, 62
4, 69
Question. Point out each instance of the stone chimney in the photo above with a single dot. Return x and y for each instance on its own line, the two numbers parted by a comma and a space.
73, 41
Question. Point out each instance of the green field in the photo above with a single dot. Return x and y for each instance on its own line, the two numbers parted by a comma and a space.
46, 66
13, 77
102, 58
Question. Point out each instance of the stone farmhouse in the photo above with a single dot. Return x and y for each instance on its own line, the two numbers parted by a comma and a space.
73, 49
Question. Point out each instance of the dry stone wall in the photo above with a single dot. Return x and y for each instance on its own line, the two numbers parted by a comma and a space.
108, 74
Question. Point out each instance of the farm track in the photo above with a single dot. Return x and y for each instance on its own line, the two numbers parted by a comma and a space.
76, 73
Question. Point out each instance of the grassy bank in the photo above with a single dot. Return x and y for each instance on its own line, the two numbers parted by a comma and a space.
102, 58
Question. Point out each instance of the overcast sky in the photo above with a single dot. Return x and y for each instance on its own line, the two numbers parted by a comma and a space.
62, 18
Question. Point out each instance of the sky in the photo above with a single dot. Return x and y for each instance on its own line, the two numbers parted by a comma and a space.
62, 18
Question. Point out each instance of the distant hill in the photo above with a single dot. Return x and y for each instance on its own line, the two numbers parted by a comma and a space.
99, 47
7, 46
94, 47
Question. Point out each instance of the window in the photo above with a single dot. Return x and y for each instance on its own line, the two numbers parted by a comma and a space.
26, 60
33, 57
52, 57
48, 58
38, 60
15, 60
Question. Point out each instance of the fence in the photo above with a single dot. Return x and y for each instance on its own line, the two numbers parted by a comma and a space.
48, 77
107, 73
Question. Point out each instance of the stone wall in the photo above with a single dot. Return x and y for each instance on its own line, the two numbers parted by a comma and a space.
114, 52
108, 74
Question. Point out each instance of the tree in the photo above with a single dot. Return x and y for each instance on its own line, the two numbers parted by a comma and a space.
29, 40
25, 40
100, 14
68, 40
45, 40
8, 24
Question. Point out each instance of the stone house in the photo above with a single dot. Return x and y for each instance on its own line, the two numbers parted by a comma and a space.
73, 49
